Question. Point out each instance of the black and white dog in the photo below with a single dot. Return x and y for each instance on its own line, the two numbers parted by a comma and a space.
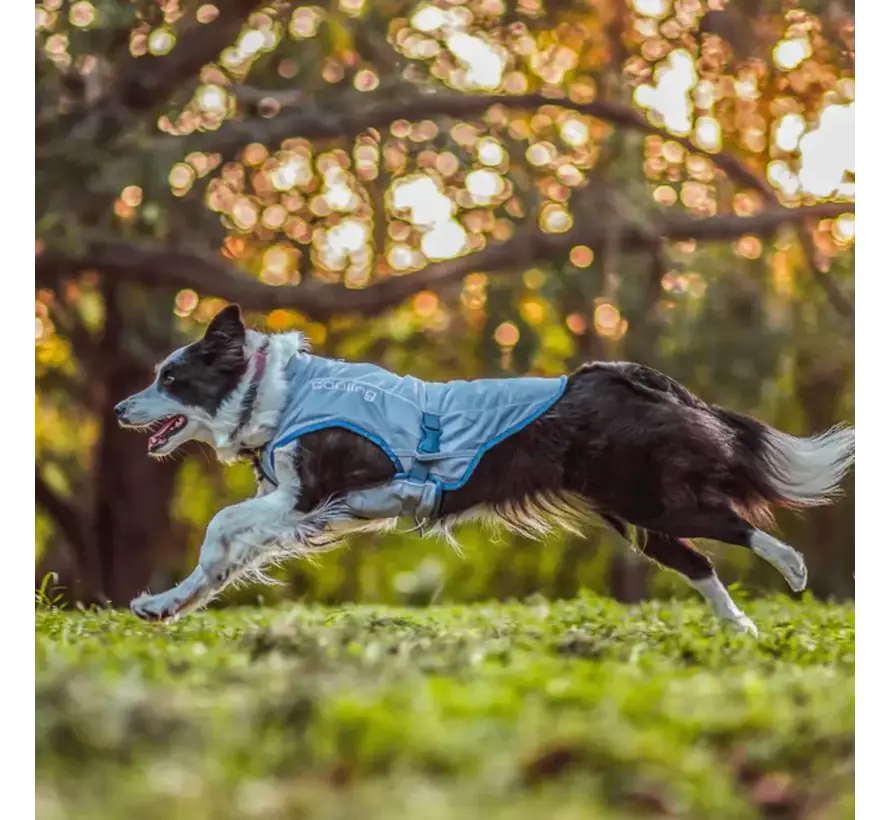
621, 441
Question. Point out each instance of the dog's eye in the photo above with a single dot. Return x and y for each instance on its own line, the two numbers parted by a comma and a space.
168, 380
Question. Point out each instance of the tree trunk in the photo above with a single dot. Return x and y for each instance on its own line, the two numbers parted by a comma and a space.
828, 543
134, 493
628, 576
111, 540
131, 522
630, 573
566, 582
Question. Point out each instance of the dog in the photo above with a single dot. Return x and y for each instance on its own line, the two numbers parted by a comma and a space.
339, 448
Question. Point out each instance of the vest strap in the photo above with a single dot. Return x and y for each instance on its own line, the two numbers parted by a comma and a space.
430, 437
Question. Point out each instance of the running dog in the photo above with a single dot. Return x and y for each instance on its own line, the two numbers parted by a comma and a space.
339, 447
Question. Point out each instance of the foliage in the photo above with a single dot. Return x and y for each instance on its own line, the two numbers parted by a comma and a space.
583, 708
48, 595
453, 189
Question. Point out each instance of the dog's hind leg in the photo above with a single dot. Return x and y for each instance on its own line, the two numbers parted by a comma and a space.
723, 524
682, 557
784, 558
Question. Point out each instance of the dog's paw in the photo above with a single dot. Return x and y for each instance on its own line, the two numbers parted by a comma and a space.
154, 607
792, 566
785, 559
742, 623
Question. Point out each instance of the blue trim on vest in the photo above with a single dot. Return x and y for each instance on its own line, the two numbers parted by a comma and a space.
455, 485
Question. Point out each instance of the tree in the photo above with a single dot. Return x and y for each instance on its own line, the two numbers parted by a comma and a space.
545, 182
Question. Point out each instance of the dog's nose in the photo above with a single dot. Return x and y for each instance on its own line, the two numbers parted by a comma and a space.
120, 409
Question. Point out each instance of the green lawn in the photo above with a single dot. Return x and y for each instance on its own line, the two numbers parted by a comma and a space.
576, 709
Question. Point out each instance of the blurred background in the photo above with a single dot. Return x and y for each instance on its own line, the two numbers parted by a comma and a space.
452, 189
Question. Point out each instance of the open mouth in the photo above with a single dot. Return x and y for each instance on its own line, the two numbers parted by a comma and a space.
168, 428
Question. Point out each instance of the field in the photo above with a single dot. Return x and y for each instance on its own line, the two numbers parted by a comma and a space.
576, 709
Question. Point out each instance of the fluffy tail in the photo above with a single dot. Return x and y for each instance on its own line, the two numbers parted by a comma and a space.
772, 467
807, 472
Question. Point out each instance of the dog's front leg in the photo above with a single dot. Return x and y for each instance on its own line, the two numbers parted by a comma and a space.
229, 548
229, 554
237, 540
192, 593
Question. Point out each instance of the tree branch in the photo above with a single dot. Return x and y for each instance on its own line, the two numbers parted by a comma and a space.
160, 266
312, 122
149, 80
804, 230
820, 268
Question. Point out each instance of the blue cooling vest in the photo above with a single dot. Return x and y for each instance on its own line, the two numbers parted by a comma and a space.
435, 433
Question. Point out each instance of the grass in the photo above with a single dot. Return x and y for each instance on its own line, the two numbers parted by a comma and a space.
576, 709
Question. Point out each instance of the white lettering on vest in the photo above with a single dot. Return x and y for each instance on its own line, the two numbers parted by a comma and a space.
368, 394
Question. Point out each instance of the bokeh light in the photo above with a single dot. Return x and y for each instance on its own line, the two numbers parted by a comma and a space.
389, 200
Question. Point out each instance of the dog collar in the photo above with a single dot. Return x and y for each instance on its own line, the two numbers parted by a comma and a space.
260, 364
259, 367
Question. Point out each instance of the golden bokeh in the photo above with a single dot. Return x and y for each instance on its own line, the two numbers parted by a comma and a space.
608, 321
581, 256
576, 323
507, 334
395, 198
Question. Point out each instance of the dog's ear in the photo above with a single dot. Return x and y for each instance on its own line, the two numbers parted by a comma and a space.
226, 324
225, 335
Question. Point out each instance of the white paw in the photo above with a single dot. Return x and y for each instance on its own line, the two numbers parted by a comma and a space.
155, 607
785, 559
791, 564
743, 623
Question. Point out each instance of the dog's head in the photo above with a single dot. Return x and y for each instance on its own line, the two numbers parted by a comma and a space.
190, 386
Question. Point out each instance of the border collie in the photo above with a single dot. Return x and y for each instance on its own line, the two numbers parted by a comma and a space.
340, 447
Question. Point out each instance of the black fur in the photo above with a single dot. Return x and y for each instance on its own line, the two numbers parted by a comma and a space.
206, 372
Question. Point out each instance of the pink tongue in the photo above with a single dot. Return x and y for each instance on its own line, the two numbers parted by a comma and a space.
164, 429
